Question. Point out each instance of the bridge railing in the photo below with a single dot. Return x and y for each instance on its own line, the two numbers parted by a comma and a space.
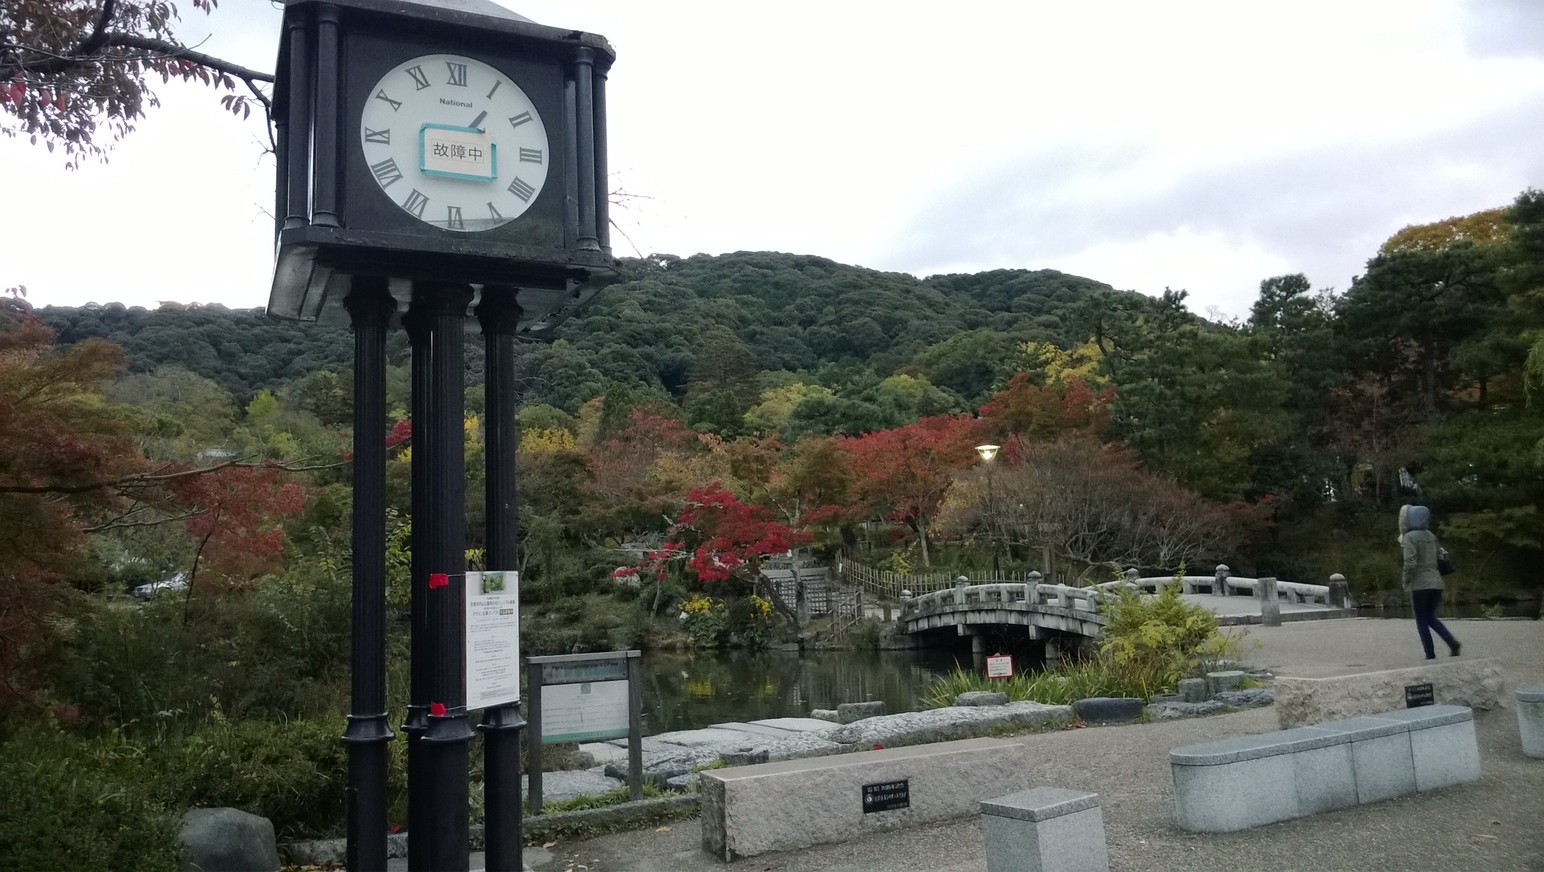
1227, 585
895, 586
999, 594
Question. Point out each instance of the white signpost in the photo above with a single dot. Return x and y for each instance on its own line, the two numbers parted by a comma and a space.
492, 639
999, 666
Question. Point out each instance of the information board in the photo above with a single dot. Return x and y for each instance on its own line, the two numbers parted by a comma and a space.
1417, 695
999, 666
492, 639
584, 712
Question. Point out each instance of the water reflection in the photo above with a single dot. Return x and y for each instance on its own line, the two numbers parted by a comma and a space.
687, 691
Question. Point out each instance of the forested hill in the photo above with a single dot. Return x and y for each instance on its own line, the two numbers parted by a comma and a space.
242, 350
691, 327
669, 320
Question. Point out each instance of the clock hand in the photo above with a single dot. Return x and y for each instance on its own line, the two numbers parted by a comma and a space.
477, 122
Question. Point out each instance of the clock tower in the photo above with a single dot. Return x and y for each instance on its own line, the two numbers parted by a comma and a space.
441, 166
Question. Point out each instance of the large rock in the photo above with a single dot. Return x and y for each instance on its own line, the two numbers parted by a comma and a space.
982, 697
228, 840
1108, 709
851, 712
566, 784
945, 724
1475, 684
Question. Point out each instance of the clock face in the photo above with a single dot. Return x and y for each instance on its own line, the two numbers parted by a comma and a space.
454, 143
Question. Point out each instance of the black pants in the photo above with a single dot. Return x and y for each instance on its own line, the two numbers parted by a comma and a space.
1424, 603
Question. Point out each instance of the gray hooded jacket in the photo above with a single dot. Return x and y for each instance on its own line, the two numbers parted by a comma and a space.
1419, 545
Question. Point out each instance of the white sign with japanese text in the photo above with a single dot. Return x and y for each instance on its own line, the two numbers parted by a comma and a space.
492, 639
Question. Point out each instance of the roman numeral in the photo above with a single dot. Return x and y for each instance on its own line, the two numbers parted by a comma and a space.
530, 155
496, 85
522, 118
415, 203
420, 78
494, 212
521, 189
453, 218
386, 172
395, 104
457, 74
381, 136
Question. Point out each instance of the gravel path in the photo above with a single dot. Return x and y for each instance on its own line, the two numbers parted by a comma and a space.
1496, 823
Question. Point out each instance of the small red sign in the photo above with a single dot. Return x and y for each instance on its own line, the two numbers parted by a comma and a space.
999, 666
438, 579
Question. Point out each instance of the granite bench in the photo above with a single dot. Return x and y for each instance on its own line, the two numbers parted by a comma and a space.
1249, 781
791, 804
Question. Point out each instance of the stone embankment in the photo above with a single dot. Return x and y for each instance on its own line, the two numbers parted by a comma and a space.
674, 758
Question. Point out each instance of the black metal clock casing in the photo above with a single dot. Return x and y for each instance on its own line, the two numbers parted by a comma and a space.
523, 209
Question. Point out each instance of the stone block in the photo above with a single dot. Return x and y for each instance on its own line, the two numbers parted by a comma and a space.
824, 715
1443, 744
1235, 796
1324, 779
848, 712
1475, 684
1193, 689
228, 840
1530, 720
1226, 679
1045, 829
1108, 709
981, 697
792, 804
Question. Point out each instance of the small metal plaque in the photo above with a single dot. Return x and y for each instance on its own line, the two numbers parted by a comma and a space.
887, 796
1417, 695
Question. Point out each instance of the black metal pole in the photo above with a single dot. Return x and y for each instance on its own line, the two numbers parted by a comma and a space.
324, 191
370, 306
499, 314
440, 447
417, 722
297, 200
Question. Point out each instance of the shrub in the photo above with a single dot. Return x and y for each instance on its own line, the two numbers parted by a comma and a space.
1154, 641
705, 620
82, 804
292, 773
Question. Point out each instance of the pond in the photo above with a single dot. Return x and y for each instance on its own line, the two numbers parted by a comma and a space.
687, 691
684, 691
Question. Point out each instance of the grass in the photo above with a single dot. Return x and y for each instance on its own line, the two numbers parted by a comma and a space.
1065, 686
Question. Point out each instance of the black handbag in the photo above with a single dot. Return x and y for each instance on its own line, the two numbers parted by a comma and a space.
1445, 564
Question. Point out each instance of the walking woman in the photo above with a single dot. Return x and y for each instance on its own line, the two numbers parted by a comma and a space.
1421, 577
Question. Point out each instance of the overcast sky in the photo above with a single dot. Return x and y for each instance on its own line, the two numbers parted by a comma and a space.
1202, 146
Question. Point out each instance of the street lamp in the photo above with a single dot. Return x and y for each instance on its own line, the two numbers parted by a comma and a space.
988, 452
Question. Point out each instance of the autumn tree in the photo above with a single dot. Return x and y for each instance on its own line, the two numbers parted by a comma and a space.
77, 74
1084, 506
716, 538
903, 473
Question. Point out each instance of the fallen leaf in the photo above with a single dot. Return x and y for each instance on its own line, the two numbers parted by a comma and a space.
663, 830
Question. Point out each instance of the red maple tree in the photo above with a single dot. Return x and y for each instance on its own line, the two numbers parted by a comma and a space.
904, 473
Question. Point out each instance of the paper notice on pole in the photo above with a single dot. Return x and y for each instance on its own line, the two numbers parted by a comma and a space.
492, 639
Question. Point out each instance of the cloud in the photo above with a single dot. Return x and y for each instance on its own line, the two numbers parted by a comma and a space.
1321, 208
